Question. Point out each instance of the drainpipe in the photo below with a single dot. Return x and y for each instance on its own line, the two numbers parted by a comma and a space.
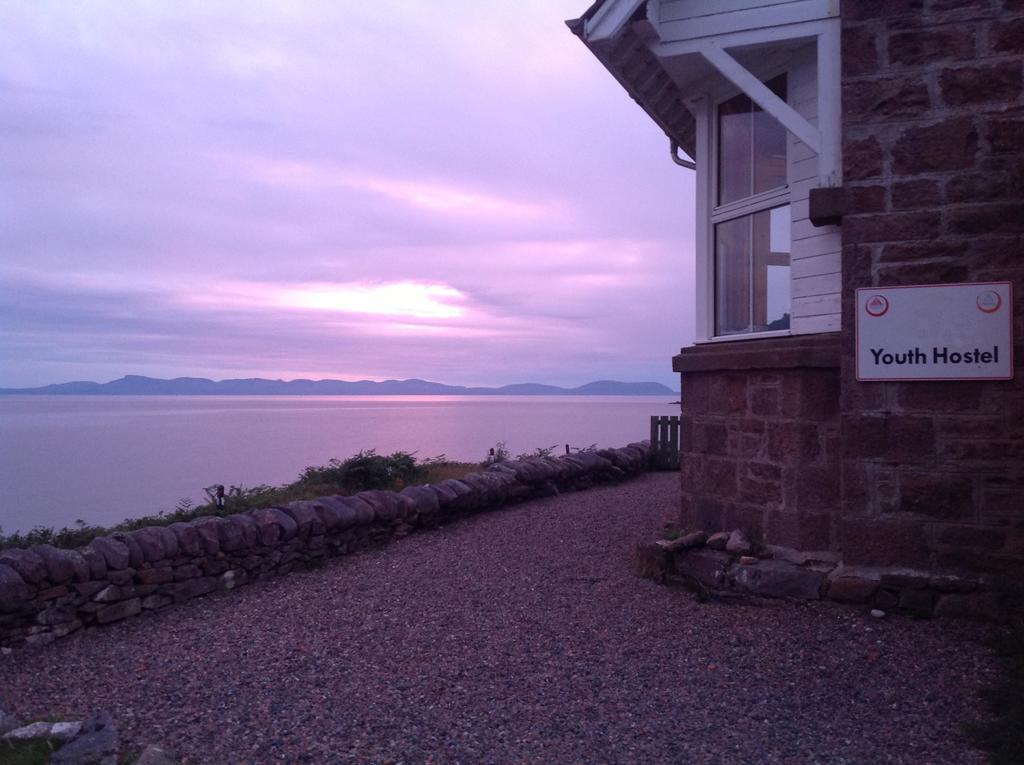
673, 147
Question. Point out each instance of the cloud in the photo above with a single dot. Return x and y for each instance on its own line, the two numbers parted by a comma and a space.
377, 189
431, 196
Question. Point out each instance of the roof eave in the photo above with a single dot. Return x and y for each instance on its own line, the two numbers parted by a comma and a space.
639, 71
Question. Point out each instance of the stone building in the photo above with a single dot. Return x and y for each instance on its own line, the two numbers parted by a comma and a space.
842, 149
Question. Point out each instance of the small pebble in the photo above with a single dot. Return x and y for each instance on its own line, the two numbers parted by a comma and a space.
877, 613
518, 636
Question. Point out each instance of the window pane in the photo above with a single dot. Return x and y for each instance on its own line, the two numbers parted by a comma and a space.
752, 272
734, 142
771, 294
769, 144
732, 276
751, 147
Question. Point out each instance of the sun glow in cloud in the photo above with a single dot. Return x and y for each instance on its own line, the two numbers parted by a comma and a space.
409, 300
445, 199
430, 195
413, 299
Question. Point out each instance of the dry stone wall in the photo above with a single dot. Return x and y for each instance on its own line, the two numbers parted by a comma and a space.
47, 593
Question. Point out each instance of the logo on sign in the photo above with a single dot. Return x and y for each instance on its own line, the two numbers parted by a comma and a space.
879, 306
989, 301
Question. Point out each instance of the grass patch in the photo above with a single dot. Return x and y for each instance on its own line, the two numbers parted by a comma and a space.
361, 472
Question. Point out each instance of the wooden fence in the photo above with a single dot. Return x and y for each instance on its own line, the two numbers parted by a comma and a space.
665, 442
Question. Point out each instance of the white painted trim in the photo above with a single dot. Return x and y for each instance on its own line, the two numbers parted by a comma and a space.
747, 336
678, 10
609, 19
764, 17
654, 12
806, 29
737, 74
830, 104
703, 230
763, 201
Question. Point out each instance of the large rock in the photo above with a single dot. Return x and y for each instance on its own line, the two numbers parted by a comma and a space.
119, 611
738, 544
209, 538
189, 541
155, 575
424, 501
187, 571
114, 552
136, 557
30, 567
592, 462
654, 561
306, 518
778, 579
364, 511
803, 557
152, 602
446, 496
335, 513
387, 506
60, 731
52, 616
719, 540
709, 567
482, 491
230, 536
62, 566
464, 496
250, 531
524, 471
96, 743
502, 484
168, 540
274, 525
97, 563
956, 581
150, 542
853, 584
687, 541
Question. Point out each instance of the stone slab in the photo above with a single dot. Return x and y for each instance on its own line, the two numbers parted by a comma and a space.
778, 579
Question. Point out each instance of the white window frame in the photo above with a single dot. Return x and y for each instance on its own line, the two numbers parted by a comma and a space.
823, 139
709, 214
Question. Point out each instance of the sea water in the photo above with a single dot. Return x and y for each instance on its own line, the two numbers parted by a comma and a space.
102, 459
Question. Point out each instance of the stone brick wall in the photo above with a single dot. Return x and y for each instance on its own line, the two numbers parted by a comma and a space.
47, 593
933, 115
760, 438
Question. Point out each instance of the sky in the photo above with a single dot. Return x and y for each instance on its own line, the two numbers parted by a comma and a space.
453, 190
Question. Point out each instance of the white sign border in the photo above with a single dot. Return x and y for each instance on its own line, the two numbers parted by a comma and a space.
856, 335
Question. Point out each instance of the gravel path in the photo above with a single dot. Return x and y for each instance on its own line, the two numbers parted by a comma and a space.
520, 636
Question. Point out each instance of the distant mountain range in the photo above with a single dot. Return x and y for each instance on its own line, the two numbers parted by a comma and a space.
136, 385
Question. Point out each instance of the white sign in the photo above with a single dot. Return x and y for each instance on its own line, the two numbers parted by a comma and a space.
935, 332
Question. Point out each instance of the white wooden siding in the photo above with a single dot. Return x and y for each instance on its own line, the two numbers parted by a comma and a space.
674, 10
680, 20
815, 273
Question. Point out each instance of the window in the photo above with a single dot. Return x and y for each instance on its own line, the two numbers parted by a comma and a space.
751, 218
